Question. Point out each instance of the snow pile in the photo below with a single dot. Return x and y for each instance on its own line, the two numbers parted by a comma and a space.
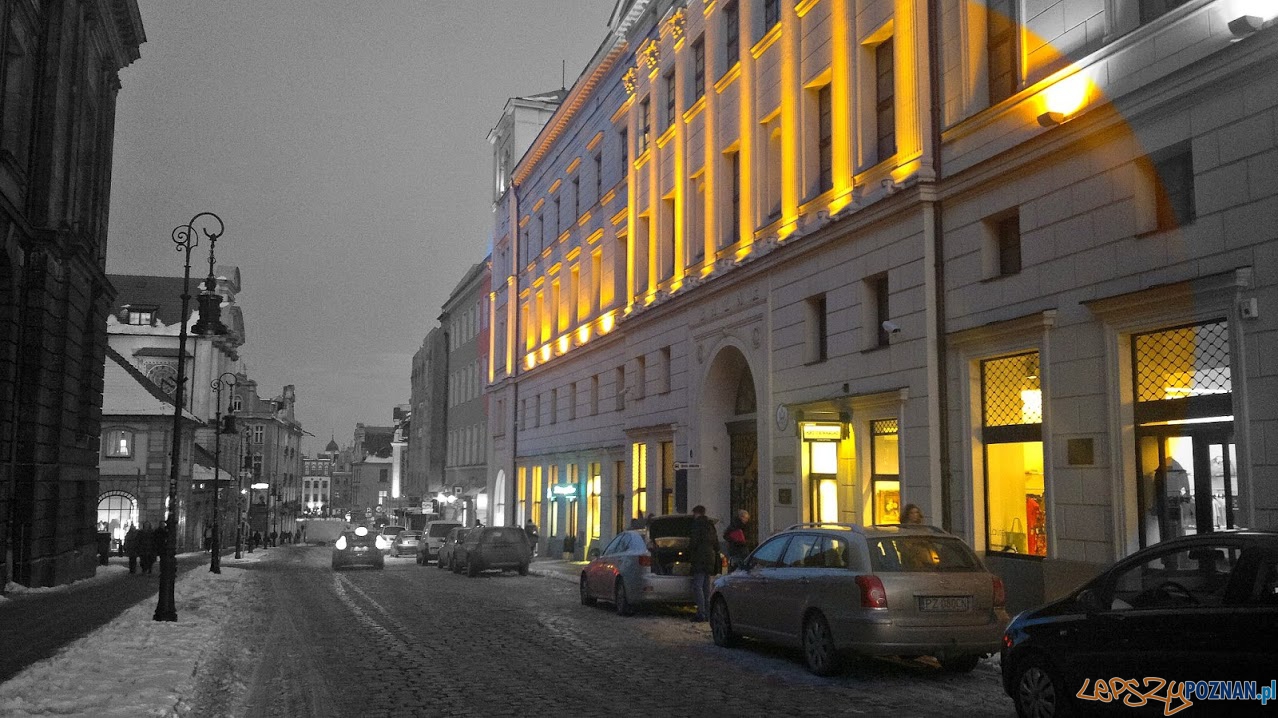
133, 666
103, 573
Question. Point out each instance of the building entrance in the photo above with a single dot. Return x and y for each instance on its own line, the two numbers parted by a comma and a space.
1189, 483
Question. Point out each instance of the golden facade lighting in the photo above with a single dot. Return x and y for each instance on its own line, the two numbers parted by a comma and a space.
1063, 99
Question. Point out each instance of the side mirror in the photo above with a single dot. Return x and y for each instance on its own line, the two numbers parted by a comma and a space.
1090, 602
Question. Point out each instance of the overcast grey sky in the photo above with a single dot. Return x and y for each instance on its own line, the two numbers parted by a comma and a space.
344, 145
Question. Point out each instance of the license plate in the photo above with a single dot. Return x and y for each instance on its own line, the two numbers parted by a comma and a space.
945, 603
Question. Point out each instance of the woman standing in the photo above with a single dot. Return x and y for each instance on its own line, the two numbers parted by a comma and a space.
146, 546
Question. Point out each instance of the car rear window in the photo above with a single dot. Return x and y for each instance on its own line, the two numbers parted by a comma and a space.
391, 530
503, 535
921, 553
440, 530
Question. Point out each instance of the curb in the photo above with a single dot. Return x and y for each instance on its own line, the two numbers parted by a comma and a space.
547, 573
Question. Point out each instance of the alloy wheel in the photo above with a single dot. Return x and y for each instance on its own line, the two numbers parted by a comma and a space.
721, 624
818, 646
1036, 693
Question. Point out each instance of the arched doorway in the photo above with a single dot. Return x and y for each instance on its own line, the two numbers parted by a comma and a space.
730, 439
117, 511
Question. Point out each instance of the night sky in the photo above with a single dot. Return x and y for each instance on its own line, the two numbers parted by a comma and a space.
344, 145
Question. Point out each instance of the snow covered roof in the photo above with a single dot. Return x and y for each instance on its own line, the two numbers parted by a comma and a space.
127, 392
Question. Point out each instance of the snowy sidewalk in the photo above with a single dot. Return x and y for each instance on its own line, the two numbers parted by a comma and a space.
133, 665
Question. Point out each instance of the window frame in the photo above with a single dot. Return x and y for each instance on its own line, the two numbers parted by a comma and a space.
110, 444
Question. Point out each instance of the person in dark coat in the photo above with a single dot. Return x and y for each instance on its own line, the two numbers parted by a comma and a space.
159, 542
274, 537
132, 547
257, 539
146, 546
703, 554
735, 537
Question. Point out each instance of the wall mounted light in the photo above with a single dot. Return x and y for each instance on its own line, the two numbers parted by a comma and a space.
1245, 26
1050, 119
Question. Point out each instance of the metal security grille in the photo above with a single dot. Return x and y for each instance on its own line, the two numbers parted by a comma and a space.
1003, 383
1183, 362
884, 427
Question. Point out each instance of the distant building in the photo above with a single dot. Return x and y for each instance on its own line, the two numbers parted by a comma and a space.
426, 440
59, 78
317, 489
465, 322
271, 438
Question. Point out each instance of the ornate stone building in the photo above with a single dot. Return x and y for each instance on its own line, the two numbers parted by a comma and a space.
782, 256
59, 65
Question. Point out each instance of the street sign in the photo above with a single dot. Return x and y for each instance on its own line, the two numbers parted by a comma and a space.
368, 513
686, 465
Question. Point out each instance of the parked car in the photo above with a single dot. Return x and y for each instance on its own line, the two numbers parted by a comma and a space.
492, 547
1200, 608
406, 541
875, 590
642, 566
445, 557
358, 546
388, 533
432, 539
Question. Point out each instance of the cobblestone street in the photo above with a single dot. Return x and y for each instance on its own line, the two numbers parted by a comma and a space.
410, 640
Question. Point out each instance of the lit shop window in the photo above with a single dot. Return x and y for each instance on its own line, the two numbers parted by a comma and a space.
886, 479
1012, 433
592, 506
639, 478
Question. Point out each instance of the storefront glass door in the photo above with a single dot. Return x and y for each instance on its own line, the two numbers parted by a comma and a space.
1189, 483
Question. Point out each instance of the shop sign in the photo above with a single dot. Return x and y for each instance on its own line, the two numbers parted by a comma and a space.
563, 489
822, 432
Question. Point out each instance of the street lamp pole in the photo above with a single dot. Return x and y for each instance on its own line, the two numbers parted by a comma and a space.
215, 563
186, 237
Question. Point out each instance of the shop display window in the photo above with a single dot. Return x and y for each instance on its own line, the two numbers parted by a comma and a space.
1012, 411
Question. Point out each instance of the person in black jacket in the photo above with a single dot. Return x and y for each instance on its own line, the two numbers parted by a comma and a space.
703, 553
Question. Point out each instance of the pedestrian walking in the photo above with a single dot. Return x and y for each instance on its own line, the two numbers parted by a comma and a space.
703, 550
208, 537
274, 537
257, 539
132, 547
736, 538
530, 528
146, 546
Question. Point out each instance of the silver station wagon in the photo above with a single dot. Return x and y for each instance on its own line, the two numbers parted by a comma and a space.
877, 590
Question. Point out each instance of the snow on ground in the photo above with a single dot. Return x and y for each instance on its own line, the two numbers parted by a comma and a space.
134, 665
103, 573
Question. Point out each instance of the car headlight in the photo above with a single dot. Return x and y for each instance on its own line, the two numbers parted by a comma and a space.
341, 543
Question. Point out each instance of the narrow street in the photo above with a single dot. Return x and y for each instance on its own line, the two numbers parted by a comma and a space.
410, 640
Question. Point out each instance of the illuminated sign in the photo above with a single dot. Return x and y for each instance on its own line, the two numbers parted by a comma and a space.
563, 489
822, 432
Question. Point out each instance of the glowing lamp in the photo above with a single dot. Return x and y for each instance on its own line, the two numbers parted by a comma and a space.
563, 344
606, 325
260, 486
1063, 99
583, 334
545, 353
530, 361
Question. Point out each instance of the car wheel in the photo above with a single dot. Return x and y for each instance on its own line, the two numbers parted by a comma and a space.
472, 570
963, 663
439, 563
721, 624
1038, 692
620, 600
586, 598
818, 646
523, 569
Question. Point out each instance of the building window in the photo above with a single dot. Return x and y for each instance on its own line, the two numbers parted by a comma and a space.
1006, 245
878, 311
142, 319
816, 349
639, 479
594, 395
641, 376
669, 120
536, 496
1151, 10
537, 411
885, 470
383, 476
731, 35
118, 444
559, 219
771, 170
259, 434
594, 492
521, 497
1000, 49
237, 403
885, 101
596, 282
1012, 438
694, 232
666, 368
625, 151
733, 224
1174, 193
825, 141
645, 123
598, 158
554, 406
621, 388
665, 251
257, 465
572, 401
699, 68
667, 477
771, 14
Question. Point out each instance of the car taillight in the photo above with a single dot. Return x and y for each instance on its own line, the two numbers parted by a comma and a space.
341, 543
1000, 593
645, 560
873, 595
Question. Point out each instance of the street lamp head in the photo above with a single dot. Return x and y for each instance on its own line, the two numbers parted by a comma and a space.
210, 322
228, 425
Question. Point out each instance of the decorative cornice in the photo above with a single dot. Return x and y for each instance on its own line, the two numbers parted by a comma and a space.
630, 80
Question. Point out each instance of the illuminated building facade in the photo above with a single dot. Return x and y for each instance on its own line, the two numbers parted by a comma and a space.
773, 255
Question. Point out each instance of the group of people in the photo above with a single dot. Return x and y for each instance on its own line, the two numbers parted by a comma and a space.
146, 544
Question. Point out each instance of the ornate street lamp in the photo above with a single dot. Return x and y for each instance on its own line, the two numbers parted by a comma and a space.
223, 425
186, 237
